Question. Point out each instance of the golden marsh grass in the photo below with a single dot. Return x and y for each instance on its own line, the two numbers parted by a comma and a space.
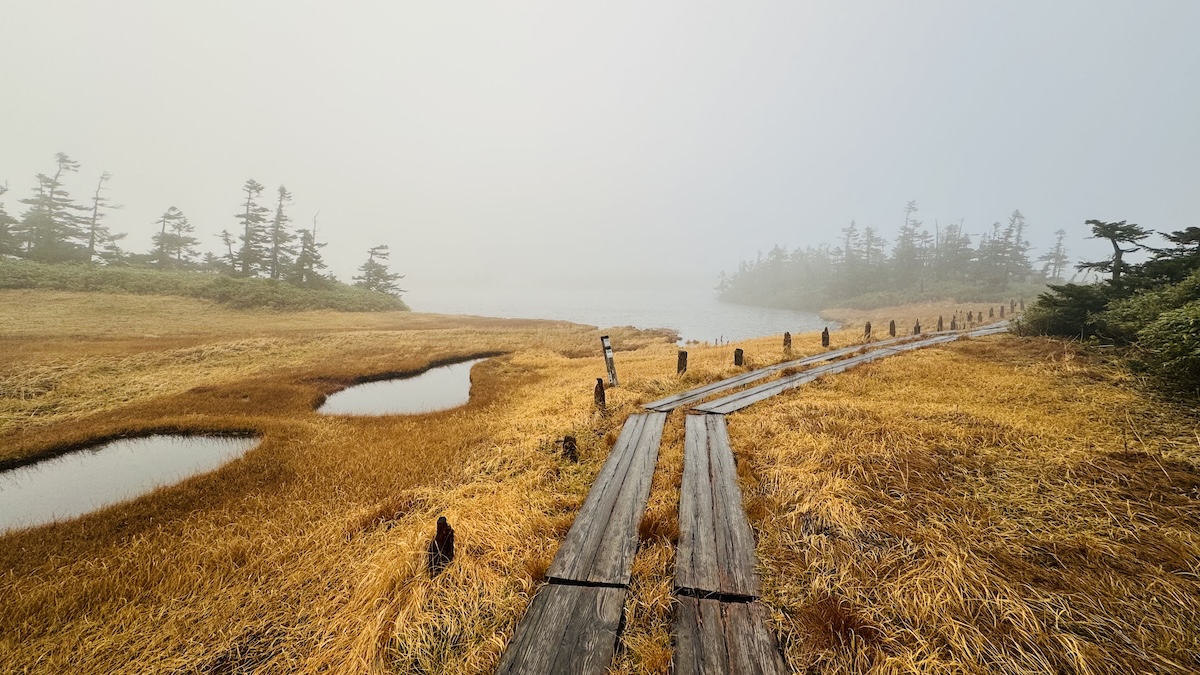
1003, 505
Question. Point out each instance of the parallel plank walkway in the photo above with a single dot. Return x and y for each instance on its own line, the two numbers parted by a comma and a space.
746, 397
716, 545
573, 622
699, 393
719, 628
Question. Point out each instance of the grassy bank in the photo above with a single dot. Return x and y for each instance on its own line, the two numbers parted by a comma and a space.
222, 289
1004, 505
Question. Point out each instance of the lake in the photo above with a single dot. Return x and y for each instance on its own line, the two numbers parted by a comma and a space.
694, 313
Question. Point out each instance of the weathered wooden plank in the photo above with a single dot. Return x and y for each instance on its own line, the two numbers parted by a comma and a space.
601, 543
684, 398
574, 555
735, 540
715, 554
613, 560
567, 629
741, 399
719, 637
695, 555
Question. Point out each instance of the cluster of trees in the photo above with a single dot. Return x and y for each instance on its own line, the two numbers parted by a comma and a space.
1153, 306
54, 228
920, 265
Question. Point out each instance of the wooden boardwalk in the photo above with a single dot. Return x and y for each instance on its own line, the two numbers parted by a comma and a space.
716, 545
746, 397
714, 637
600, 546
573, 623
699, 393
719, 628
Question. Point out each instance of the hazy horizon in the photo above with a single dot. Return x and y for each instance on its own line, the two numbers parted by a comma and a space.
633, 144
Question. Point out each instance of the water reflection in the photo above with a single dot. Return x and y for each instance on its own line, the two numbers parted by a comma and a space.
435, 389
79, 482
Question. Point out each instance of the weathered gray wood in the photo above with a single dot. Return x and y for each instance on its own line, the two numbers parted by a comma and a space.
738, 355
825, 337
715, 554
746, 397
601, 543
695, 554
567, 629
735, 538
699, 393
892, 328
608, 360
681, 363
719, 637
598, 393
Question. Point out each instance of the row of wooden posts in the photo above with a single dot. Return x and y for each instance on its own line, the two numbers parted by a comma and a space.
739, 356
441, 548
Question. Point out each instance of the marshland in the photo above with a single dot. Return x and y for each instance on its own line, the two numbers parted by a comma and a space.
302, 309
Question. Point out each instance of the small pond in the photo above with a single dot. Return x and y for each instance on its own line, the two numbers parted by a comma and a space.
435, 389
79, 482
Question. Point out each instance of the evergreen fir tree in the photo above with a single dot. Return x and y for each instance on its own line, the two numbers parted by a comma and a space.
174, 245
100, 241
280, 241
50, 229
8, 239
251, 257
375, 275
306, 270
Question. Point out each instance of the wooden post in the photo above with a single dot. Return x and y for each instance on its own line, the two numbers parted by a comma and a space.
939, 323
991, 312
1012, 306
1022, 304
954, 323
600, 393
867, 331
570, 448
441, 549
738, 357
970, 317
1001, 311
825, 337
787, 341
892, 328
917, 328
681, 363
608, 361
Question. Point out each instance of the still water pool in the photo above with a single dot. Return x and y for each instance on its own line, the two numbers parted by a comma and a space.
435, 389
86, 480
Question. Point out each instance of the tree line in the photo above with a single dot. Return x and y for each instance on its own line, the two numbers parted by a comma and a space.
54, 228
919, 265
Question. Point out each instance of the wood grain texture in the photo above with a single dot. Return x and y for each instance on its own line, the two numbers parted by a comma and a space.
715, 554
714, 637
567, 629
601, 543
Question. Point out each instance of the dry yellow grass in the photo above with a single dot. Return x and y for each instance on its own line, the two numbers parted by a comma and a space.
955, 510
907, 315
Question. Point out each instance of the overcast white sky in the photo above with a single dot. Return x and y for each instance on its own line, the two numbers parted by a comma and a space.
487, 141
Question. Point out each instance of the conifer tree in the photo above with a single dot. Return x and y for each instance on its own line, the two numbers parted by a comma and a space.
306, 270
50, 229
1117, 234
174, 245
100, 241
280, 240
375, 275
251, 257
229, 258
1054, 262
8, 239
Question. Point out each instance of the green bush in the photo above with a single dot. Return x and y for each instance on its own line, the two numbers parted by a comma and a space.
1069, 310
1125, 317
233, 292
1170, 346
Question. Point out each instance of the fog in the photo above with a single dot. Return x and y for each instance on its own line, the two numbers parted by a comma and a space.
640, 143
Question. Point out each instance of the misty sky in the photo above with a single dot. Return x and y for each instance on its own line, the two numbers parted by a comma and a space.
486, 142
